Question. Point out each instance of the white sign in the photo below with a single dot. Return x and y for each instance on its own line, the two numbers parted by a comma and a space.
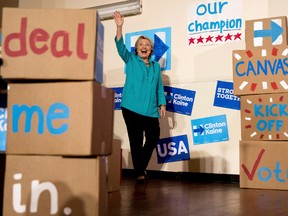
214, 22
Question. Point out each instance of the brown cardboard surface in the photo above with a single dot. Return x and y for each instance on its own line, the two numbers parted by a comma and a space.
266, 32
2, 174
60, 118
50, 44
260, 70
264, 117
263, 164
75, 185
10, 3
114, 166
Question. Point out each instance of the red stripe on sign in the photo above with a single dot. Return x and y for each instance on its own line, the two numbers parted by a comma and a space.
281, 98
249, 53
247, 111
274, 51
253, 86
277, 136
248, 126
260, 99
261, 136
274, 85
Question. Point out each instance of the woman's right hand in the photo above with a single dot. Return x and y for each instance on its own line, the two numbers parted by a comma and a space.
118, 18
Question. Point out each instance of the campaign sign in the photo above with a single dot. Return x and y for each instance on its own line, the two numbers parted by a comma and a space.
210, 129
70, 40
263, 164
262, 67
173, 149
214, 22
162, 44
266, 32
117, 97
3, 121
179, 100
264, 117
224, 96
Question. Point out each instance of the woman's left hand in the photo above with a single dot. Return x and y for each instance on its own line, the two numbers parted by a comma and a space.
162, 111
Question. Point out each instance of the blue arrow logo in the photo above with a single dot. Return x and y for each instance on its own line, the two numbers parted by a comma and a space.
199, 130
159, 48
274, 32
169, 97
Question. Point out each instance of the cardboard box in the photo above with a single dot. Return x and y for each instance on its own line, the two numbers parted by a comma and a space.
2, 174
263, 164
52, 44
60, 118
260, 70
115, 166
266, 32
264, 117
55, 185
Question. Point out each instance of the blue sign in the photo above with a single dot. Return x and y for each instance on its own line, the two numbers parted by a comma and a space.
162, 45
173, 149
117, 98
210, 130
179, 100
3, 121
224, 96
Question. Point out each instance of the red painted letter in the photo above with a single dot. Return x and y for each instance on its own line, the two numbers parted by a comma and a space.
80, 42
21, 36
251, 174
38, 35
64, 51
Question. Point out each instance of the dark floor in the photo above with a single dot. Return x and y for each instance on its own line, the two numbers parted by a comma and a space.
177, 196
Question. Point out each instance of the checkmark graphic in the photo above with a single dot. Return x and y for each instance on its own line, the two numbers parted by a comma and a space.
251, 174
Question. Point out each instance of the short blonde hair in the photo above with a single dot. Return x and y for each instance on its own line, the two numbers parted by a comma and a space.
145, 38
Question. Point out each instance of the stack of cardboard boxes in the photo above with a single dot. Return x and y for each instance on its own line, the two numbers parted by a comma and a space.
60, 117
260, 79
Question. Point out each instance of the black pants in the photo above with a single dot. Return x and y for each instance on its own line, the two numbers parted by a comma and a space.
138, 126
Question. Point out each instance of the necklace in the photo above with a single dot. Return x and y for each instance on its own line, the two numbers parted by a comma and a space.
147, 63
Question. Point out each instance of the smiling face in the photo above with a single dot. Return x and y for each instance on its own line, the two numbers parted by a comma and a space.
144, 47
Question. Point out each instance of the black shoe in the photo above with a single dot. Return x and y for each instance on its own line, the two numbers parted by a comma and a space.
146, 175
141, 180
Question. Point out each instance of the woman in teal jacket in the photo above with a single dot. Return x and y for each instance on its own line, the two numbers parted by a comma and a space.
143, 99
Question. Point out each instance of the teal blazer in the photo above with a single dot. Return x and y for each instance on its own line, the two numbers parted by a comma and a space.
143, 90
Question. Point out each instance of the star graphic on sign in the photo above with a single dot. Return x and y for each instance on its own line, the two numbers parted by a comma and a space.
219, 38
237, 36
200, 39
191, 40
228, 37
209, 38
